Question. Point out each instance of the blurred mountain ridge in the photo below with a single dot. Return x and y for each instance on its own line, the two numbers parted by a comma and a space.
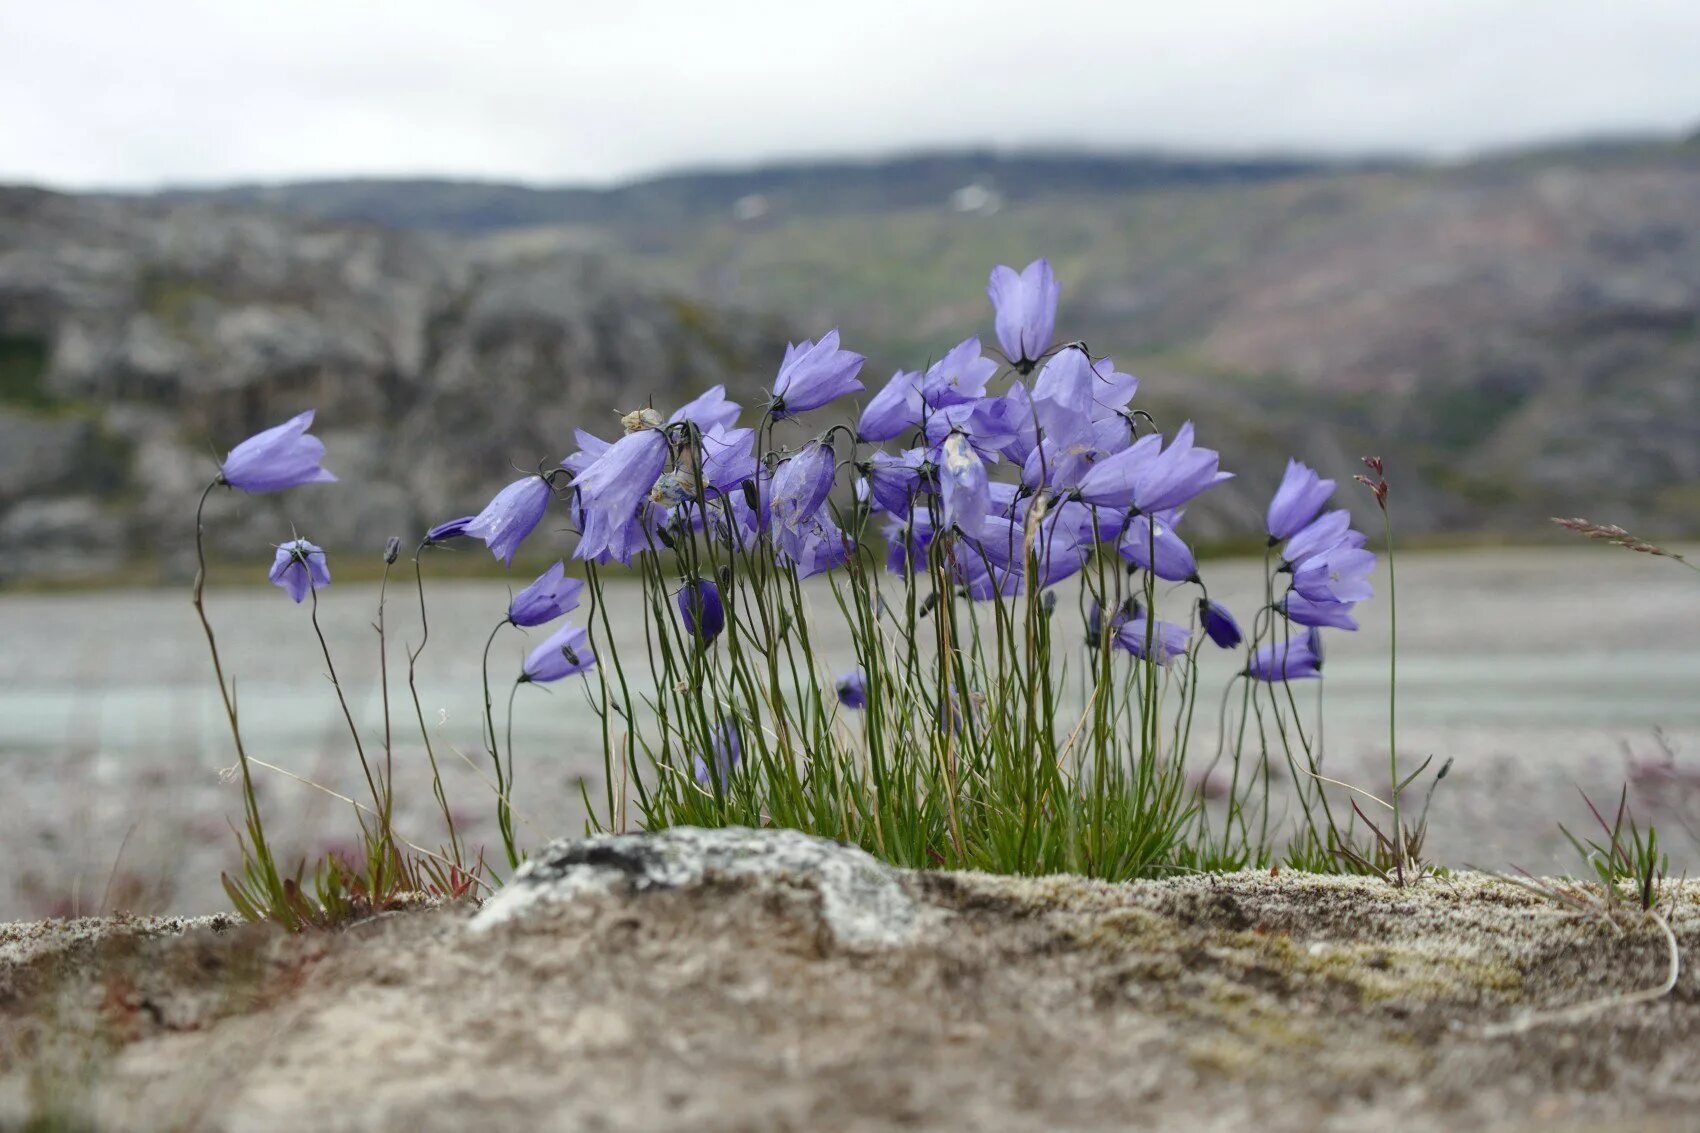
1516, 334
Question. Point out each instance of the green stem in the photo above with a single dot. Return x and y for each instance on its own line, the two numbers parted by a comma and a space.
1393, 697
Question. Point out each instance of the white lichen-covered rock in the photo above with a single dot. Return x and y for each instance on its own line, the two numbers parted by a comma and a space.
862, 902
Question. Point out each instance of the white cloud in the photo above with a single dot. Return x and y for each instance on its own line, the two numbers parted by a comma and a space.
141, 93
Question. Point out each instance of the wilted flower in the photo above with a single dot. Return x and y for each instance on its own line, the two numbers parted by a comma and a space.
1168, 640
812, 374
283, 456
443, 532
728, 750
392, 548
513, 514
1296, 502
546, 599
802, 483
964, 490
563, 653
701, 609
1219, 625
300, 567
1026, 311
1295, 660
853, 689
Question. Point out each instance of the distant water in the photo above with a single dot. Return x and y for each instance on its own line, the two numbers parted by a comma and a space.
1533, 669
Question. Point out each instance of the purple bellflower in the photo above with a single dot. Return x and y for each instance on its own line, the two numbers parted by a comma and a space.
1337, 575
562, 653
727, 749
1297, 501
1294, 660
896, 407
590, 446
812, 374
283, 456
907, 540
550, 596
513, 514
708, 411
802, 484
815, 548
1302, 611
1025, 305
1321, 535
1219, 625
894, 480
443, 532
300, 567
1180, 473
701, 609
853, 689
613, 486
728, 458
1062, 397
1113, 389
1155, 546
1168, 640
959, 378
1113, 481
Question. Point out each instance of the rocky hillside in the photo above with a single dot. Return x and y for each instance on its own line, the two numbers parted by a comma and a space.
1517, 335
132, 334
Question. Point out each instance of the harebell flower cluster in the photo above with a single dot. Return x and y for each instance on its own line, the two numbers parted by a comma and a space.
1002, 533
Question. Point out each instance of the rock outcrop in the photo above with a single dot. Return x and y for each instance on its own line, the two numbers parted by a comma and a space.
706, 980
137, 339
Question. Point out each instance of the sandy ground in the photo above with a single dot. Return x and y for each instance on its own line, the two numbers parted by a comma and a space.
1281, 1002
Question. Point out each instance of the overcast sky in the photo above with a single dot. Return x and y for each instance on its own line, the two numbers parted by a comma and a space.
145, 92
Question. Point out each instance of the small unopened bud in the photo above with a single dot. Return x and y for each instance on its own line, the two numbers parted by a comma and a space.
392, 549
1049, 602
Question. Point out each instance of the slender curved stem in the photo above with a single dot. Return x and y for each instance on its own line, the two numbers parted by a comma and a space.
419, 710
353, 729
504, 814
1393, 698
256, 831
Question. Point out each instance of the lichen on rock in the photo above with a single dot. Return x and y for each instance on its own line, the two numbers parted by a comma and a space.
862, 902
